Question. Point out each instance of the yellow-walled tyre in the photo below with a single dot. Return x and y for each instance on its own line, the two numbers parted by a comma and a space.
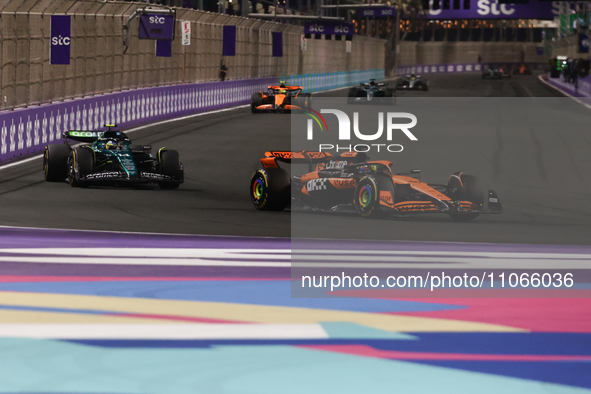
270, 189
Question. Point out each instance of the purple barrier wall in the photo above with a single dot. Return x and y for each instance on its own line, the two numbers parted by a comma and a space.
460, 67
28, 130
582, 89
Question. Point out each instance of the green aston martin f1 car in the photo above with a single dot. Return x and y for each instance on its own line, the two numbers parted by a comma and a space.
109, 158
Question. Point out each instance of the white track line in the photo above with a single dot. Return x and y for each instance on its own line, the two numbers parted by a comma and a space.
286, 258
186, 331
563, 92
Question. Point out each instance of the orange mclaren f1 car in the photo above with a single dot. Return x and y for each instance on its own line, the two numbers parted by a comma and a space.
351, 181
278, 99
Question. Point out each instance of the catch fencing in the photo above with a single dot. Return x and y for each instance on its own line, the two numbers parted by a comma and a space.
463, 67
99, 66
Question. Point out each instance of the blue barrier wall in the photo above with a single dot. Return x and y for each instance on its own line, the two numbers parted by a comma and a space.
324, 81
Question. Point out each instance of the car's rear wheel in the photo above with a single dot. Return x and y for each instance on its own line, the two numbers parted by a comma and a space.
352, 92
55, 162
80, 164
352, 95
462, 187
270, 189
391, 94
170, 164
256, 101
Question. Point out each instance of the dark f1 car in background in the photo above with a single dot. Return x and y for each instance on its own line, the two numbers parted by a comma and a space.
412, 82
492, 72
109, 158
351, 181
278, 99
367, 91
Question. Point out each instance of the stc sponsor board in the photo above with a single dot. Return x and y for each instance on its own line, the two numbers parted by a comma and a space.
377, 12
491, 9
156, 27
329, 27
60, 39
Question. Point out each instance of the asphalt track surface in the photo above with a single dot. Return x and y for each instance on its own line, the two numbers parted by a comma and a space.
543, 180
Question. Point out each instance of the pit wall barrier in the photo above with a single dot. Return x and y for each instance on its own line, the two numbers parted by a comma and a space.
461, 68
582, 89
27, 131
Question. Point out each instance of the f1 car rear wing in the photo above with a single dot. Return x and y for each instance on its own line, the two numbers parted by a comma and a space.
305, 157
277, 87
82, 136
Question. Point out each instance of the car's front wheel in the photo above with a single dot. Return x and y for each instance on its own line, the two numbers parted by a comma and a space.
80, 164
367, 198
462, 187
256, 101
170, 165
270, 189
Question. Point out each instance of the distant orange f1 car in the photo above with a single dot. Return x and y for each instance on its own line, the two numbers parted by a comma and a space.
278, 98
351, 181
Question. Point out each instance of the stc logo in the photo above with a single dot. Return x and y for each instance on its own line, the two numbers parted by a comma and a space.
484, 7
59, 40
344, 132
316, 29
341, 29
157, 20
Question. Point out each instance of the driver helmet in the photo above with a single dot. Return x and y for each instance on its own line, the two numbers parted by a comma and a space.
281, 84
364, 169
111, 145
413, 76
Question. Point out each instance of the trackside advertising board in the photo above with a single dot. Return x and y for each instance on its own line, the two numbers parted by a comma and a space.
491, 9
329, 27
156, 27
60, 39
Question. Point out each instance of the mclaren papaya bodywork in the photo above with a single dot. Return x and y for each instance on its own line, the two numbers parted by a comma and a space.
352, 181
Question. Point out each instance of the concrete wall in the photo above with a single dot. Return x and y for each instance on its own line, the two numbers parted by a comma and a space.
98, 65
412, 53
568, 46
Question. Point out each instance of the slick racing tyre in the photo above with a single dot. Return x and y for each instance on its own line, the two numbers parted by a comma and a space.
80, 164
465, 188
170, 165
352, 95
55, 162
367, 198
391, 94
270, 189
255, 101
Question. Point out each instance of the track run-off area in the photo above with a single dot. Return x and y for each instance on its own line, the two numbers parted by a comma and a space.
142, 290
